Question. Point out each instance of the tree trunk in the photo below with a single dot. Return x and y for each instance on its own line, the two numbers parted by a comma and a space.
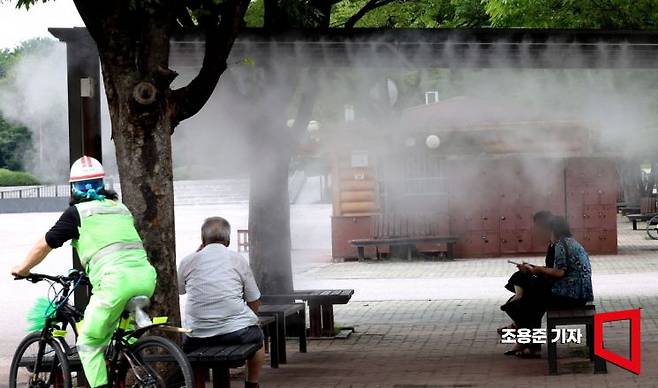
133, 40
269, 218
142, 136
273, 144
630, 178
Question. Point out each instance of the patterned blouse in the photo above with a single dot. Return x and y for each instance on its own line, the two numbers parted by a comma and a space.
572, 258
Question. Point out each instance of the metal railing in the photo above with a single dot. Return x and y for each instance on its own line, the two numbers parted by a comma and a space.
55, 191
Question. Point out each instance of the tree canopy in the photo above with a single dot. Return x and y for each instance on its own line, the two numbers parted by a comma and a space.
596, 14
409, 14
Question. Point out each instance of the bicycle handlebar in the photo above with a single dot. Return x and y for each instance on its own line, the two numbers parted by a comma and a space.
73, 277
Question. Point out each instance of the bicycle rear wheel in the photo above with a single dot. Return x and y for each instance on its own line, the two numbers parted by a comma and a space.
53, 370
157, 362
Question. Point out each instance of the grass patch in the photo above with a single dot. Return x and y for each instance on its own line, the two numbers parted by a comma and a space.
17, 178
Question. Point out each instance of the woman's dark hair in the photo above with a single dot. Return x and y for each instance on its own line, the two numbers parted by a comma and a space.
560, 227
542, 217
109, 194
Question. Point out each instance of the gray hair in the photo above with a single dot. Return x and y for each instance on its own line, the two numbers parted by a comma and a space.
216, 230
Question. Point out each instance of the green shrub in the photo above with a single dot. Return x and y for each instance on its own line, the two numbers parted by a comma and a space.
16, 178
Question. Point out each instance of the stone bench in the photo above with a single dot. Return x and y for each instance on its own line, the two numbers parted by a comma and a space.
567, 317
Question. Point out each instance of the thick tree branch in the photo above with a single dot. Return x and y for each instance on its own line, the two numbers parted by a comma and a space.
324, 6
371, 5
93, 15
308, 98
187, 101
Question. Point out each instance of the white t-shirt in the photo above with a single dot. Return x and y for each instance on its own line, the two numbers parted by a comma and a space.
218, 282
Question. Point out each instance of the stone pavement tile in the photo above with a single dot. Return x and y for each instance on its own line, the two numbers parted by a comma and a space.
637, 254
450, 343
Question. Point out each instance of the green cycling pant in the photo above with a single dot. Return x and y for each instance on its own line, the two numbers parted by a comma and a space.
113, 286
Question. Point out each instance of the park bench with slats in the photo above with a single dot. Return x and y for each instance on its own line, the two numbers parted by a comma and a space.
391, 229
219, 359
271, 332
286, 316
634, 218
321, 307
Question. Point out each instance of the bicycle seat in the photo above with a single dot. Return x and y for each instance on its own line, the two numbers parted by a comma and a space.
135, 306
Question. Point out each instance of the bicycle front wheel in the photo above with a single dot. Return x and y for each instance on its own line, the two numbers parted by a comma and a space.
156, 362
49, 370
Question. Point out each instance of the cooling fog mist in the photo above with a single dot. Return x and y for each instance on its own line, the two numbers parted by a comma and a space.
34, 95
248, 116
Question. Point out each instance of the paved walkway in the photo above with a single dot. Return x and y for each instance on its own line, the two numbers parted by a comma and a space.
425, 324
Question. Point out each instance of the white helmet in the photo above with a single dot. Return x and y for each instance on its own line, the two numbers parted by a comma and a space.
86, 168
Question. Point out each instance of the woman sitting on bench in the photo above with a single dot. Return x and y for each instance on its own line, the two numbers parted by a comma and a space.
524, 282
571, 274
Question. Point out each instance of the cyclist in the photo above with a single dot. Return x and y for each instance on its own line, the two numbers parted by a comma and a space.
104, 236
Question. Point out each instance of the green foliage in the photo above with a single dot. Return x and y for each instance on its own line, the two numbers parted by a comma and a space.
17, 178
296, 14
14, 141
603, 14
255, 14
28, 3
414, 14
8, 58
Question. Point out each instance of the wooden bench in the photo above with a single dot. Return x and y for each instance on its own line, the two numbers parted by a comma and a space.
624, 208
634, 218
572, 316
396, 229
281, 313
219, 359
321, 307
450, 241
271, 332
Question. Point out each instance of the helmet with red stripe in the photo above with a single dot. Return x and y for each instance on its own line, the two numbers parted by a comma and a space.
86, 178
86, 168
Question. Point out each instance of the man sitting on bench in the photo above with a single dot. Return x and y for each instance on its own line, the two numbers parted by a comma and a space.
222, 296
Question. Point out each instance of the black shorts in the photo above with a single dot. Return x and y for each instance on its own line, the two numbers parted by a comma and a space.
248, 335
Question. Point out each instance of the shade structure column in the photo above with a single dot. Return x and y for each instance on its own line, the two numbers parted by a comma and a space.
84, 109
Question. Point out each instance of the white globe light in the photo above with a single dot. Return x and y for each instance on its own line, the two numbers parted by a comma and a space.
290, 123
313, 126
432, 142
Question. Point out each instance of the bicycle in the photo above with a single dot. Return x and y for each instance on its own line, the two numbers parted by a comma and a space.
652, 228
133, 360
